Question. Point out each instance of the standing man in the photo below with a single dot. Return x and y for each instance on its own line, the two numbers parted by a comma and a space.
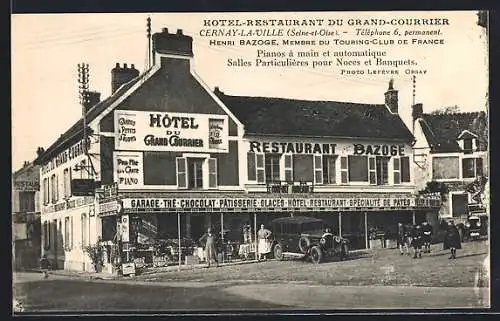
210, 249
401, 237
452, 240
427, 230
264, 243
417, 241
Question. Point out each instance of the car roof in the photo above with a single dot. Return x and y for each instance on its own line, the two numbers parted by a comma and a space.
296, 219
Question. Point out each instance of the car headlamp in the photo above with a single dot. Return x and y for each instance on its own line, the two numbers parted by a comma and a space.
467, 224
478, 223
323, 240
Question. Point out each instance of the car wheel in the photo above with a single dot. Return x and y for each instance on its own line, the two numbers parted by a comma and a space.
316, 255
304, 244
278, 252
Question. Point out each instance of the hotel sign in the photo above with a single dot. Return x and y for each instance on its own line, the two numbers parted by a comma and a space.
176, 132
355, 203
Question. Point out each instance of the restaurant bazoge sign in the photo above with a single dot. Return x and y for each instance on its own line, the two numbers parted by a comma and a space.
355, 203
160, 131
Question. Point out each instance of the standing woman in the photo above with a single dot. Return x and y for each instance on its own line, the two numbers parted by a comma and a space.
452, 240
264, 242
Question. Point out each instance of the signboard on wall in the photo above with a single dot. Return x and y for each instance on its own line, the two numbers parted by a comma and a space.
160, 131
128, 169
83, 187
340, 203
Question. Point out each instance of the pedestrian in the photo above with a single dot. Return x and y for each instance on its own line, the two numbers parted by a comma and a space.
45, 266
452, 240
247, 234
427, 231
417, 241
264, 245
401, 237
210, 247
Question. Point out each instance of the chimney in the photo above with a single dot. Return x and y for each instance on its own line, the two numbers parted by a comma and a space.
92, 98
417, 111
40, 151
122, 75
26, 163
172, 43
391, 98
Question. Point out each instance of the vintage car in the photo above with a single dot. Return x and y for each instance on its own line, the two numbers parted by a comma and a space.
305, 237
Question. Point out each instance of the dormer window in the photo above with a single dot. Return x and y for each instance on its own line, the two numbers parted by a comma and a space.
467, 141
468, 145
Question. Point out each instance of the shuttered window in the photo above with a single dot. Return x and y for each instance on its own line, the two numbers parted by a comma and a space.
181, 168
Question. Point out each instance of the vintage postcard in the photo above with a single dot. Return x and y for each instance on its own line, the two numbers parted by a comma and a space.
271, 161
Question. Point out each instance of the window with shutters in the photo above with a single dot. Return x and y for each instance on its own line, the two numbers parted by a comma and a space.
318, 169
329, 169
405, 169
382, 164
46, 235
26, 201
272, 167
212, 173
251, 167
372, 171
261, 170
181, 170
358, 168
472, 167
66, 234
84, 229
195, 173
45, 191
288, 160
53, 188
396, 166
344, 170
303, 168
67, 182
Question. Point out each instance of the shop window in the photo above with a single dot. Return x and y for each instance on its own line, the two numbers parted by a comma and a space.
329, 170
396, 166
67, 182
358, 168
445, 167
405, 169
318, 169
26, 201
251, 167
288, 167
303, 170
472, 167
382, 164
344, 171
212, 173
272, 167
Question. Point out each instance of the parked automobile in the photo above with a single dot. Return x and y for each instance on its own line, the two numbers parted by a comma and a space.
305, 237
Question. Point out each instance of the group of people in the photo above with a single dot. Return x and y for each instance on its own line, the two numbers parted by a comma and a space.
264, 244
419, 236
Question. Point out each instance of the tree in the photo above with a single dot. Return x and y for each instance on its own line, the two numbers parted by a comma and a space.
433, 187
477, 189
446, 110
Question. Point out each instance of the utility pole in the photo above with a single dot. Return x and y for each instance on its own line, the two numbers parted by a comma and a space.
148, 35
83, 81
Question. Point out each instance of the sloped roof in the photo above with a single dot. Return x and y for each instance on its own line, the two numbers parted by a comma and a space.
442, 130
293, 117
75, 132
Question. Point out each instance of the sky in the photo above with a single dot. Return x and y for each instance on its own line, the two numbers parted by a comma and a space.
46, 49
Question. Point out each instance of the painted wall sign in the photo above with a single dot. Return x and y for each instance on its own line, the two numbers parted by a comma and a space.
128, 169
27, 186
160, 131
69, 154
379, 149
328, 203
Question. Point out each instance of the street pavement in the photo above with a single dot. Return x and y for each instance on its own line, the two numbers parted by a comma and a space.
380, 279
